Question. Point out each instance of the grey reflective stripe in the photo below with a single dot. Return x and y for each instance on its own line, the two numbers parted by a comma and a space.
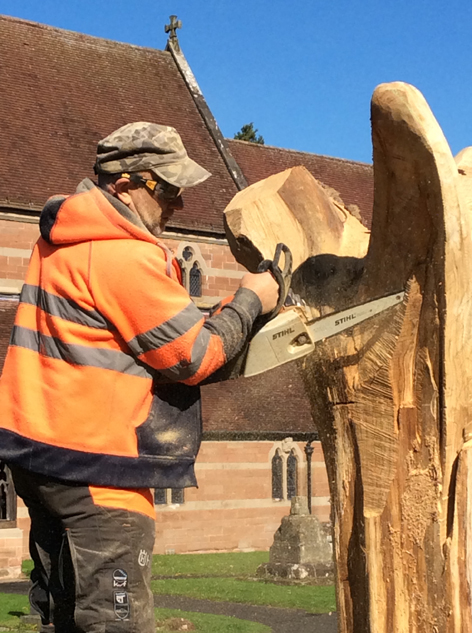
66, 309
167, 331
53, 347
182, 372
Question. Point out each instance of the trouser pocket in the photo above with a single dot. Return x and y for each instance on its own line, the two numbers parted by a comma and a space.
112, 559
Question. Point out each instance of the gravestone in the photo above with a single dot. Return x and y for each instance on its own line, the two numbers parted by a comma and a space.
301, 548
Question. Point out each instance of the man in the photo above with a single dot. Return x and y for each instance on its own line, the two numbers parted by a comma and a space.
99, 394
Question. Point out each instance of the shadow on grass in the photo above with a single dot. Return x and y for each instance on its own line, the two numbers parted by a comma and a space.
17, 614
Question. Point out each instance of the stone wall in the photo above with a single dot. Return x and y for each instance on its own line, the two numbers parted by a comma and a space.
12, 552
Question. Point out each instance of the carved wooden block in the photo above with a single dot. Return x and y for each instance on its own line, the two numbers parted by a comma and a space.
392, 397
291, 205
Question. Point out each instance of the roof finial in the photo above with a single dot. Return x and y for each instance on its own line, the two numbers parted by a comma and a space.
172, 28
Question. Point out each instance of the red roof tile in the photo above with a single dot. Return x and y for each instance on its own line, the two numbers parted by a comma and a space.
274, 401
63, 91
352, 180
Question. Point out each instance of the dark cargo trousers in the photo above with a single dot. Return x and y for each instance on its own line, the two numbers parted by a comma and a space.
92, 564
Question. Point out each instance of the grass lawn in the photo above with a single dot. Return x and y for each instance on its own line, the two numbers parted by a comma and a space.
27, 567
12, 606
224, 565
207, 623
229, 577
309, 598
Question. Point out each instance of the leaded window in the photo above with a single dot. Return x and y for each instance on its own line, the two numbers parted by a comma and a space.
160, 496
177, 495
195, 283
187, 253
167, 496
277, 476
184, 273
292, 475
192, 265
7, 497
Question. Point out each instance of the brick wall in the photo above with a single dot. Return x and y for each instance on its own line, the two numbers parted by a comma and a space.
233, 507
16, 241
220, 271
15, 234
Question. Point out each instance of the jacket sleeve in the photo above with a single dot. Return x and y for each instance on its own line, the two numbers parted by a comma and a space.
156, 318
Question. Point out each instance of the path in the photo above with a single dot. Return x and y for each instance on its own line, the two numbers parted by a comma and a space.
280, 620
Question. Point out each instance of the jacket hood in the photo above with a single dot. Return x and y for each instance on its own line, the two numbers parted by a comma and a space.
90, 214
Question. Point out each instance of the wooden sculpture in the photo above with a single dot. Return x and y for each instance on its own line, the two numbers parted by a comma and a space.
392, 397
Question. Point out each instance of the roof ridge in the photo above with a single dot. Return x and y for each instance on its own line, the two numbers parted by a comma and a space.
298, 151
49, 27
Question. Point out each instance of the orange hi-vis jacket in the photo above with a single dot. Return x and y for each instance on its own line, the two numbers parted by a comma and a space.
100, 381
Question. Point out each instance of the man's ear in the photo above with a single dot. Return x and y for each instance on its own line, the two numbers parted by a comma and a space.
120, 189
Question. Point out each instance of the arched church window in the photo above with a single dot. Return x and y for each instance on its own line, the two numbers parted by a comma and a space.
195, 283
277, 475
292, 475
184, 273
187, 253
7, 497
193, 268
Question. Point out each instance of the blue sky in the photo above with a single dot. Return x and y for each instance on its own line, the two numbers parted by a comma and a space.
302, 70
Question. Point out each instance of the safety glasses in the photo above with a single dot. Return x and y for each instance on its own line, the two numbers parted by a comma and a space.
159, 188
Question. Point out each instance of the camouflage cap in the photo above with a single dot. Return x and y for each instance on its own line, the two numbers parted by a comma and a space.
149, 147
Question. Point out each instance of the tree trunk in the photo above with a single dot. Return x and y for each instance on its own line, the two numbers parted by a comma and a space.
392, 396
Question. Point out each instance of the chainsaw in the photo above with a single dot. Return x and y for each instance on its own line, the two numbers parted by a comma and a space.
289, 335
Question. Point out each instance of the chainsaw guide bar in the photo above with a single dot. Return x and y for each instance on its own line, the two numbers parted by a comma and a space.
288, 336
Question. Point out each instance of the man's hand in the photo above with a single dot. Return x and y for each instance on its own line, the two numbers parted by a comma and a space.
265, 287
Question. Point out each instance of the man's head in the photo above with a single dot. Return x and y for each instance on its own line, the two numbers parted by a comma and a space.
146, 166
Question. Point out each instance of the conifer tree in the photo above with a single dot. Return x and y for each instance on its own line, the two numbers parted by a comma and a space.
248, 133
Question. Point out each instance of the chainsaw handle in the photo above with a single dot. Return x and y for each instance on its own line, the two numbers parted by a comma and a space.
282, 276
273, 264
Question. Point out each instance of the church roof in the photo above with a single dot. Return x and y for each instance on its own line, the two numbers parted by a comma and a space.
273, 402
63, 91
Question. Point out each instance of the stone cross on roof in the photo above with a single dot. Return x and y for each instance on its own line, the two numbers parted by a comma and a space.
172, 28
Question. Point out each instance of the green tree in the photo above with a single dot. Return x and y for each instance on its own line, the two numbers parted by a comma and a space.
248, 133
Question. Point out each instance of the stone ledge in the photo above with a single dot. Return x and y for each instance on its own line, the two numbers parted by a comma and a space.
11, 533
316, 573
